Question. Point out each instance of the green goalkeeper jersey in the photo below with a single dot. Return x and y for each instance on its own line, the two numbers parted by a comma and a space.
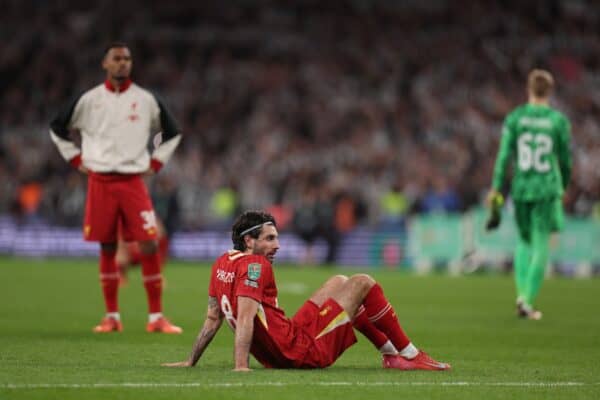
537, 139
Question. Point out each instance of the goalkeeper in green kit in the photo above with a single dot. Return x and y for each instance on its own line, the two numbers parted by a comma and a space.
536, 138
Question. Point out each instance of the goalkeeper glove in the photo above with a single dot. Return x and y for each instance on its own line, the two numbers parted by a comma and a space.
495, 215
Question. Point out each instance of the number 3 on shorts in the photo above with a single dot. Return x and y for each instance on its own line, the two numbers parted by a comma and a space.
149, 219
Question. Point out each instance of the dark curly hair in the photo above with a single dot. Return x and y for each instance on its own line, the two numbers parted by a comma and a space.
246, 221
114, 45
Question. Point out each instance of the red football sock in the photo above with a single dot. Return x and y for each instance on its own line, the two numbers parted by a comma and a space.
382, 315
109, 278
364, 326
163, 250
152, 281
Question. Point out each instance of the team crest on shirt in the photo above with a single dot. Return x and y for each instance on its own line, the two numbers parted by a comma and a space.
325, 311
254, 271
134, 115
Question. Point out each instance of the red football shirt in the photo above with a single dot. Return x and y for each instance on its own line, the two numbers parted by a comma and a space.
276, 342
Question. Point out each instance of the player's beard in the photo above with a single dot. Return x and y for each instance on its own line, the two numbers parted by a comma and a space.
270, 255
121, 77
122, 74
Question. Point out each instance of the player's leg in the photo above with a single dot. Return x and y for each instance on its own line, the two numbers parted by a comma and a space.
544, 219
537, 266
100, 224
122, 260
361, 321
152, 277
163, 244
332, 285
376, 337
521, 261
133, 258
139, 223
154, 284
361, 289
522, 256
109, 278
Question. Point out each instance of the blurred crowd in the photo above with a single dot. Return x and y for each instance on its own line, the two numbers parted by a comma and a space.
329, 113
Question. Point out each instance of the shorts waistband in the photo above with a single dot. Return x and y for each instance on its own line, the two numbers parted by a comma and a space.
111, 176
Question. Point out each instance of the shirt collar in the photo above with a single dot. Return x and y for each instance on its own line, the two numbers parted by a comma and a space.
122, 87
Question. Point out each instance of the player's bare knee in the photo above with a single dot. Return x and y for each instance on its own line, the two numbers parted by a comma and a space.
338, 279
364, 280
353, 292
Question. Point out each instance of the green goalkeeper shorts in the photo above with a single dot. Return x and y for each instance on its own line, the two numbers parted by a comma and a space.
542, 216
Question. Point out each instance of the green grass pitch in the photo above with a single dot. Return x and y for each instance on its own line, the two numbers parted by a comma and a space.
47, 349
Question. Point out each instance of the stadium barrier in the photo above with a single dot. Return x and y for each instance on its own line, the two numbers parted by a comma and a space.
436, 242
461, 243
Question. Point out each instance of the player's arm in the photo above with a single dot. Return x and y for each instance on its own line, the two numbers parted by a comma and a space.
168, 139
246, 311
60, 134
503, 156
494, 199
214, 319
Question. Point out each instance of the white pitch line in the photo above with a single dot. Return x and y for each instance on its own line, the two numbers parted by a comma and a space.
143, 385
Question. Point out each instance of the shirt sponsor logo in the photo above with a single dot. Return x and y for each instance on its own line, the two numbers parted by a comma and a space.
225, 276
250, 283
254, 271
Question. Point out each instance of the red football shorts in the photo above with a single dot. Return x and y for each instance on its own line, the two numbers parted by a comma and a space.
112, 198
331, 328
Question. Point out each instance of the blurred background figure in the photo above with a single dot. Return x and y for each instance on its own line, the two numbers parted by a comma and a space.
306, 223
439, 197
115, 121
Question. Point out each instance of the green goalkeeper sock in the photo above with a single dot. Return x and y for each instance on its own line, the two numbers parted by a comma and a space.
521, 266
537, 265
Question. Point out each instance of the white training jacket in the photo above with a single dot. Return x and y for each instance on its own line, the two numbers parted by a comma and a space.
116, 127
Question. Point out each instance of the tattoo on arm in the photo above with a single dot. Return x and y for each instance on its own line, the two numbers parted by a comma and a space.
208, 331
213, 307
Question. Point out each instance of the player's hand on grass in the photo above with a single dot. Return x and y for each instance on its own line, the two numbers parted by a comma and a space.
179, 364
